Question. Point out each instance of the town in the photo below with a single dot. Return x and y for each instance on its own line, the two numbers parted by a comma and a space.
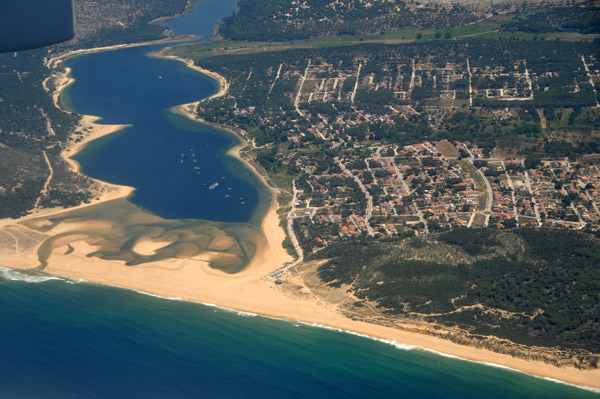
418, 139
425, 187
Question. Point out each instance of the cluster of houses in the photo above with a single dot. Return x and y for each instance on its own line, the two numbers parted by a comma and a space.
500, 82
389, 189
455, 82
416, 189
458, 80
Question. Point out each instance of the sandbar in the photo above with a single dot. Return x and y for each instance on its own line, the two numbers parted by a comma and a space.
149, 247
249, 291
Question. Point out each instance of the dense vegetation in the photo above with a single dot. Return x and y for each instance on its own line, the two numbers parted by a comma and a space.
536, 287
581, 19
107, 22
288, 20
27, 110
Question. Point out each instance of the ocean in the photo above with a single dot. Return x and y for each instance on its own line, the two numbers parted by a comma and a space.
70, 339
63, 339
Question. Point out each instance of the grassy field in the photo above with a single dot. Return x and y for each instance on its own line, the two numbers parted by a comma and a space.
485, 29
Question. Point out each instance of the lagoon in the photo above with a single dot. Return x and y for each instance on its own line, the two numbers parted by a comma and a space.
179, 167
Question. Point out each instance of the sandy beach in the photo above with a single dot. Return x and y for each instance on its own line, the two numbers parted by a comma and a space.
18, 243
192, 278
249, 291
223, 83
87, 131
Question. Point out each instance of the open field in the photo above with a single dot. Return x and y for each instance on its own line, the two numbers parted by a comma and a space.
486, 29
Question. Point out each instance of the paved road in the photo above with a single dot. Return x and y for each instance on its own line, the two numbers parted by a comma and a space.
282, 271
365, 192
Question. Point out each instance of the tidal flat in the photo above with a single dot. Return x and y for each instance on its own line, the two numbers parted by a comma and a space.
121, 231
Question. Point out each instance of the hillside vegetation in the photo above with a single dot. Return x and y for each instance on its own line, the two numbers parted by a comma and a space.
535, 287
290, 20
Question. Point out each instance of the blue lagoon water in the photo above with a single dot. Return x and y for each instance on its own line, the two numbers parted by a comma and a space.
178, 167
64, 339
202, 20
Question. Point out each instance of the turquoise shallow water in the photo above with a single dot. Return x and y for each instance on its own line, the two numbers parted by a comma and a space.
64, 340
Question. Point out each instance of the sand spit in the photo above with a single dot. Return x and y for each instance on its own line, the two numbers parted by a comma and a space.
248, 291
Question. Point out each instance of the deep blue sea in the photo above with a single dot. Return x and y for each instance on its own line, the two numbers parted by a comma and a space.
76, 340
65, 339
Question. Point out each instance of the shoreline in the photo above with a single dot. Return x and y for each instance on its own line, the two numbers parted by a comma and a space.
552, 373
312, 314
191, 279
87, 131
188, 9
397, 345
270, 225
400, 341
53, 62
223, 83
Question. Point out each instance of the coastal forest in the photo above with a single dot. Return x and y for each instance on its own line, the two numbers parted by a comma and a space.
534, 287
286, 20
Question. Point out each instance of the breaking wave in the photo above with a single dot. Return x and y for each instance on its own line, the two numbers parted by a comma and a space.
28, 277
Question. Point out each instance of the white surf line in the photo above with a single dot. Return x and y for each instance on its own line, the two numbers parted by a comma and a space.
16, 275
397, 344
276, 77
587, 70
45, 189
